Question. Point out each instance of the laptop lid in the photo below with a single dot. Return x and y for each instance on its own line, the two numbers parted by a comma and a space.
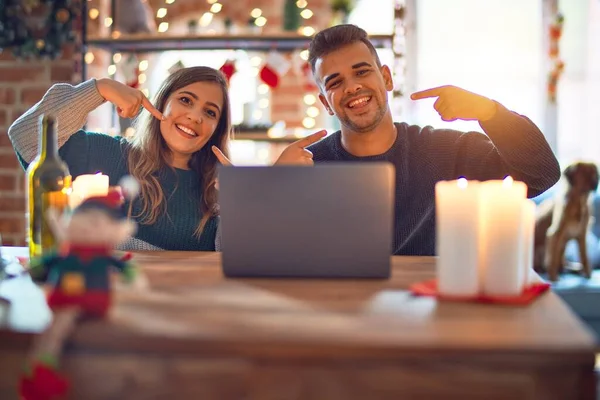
330, 220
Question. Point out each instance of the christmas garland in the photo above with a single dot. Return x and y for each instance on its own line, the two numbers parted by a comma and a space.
37, 28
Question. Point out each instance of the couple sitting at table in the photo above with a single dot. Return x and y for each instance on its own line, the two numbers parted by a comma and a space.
184, 135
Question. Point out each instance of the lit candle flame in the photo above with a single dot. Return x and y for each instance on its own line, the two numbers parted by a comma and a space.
507, 182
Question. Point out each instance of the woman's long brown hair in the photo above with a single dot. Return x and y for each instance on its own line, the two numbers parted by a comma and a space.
149, 152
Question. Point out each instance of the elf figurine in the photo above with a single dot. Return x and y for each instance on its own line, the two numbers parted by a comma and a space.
78, 274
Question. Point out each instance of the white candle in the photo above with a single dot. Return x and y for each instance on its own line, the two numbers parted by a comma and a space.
85, 186
501, 255
528, 220
457, 237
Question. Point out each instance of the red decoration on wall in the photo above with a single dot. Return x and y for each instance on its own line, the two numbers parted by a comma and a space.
555, 33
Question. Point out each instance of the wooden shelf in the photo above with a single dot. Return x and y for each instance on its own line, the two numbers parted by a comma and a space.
263, 137
257, 42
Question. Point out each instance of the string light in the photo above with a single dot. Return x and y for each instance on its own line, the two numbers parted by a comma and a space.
301, 3
309, 123
262, 89
260, 21
161, 13
216, 7
89, 57
94, 13
310, 99
304, 55
206, 19
307, 30
306, 13
163, 27
117, 58
115, 34
312, 112
142, 78
112, 69
255, 13
169, 1
108, 21
255, 61
143, 65
211, 1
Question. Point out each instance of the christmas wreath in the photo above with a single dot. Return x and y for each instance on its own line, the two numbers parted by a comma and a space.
37, 28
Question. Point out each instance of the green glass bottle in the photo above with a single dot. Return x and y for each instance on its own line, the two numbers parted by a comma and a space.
48, 186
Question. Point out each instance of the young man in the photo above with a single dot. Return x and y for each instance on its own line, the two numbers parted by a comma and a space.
354, 86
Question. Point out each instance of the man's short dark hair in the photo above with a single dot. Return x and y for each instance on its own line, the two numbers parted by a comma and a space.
336, 37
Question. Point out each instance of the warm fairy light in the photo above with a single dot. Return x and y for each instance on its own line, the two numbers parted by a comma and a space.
306, 14
169, 1
462, 183
117, 58
115, 35
507, 182
161, 13
308, 123
308, 30
257, 114
143, 65
260, 21
94, 13
301, 3
310, 99
263, 103
112, 69
89, 57
163, 27
304, 55
108, 21
312, 112
255, 61
257, 12
215, 8
262, 89
206, 19
211, 1
142, 78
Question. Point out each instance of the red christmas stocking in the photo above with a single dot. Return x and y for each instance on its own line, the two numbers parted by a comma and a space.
276, 66
228, 69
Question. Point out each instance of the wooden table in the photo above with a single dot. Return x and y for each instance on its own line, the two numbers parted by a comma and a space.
195, 334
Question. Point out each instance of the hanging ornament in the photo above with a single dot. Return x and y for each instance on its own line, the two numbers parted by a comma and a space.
228, 69
275, 67
131, 71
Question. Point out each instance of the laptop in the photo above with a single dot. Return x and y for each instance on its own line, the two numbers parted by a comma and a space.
332, 220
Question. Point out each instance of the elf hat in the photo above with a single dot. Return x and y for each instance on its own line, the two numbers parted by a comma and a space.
111, 204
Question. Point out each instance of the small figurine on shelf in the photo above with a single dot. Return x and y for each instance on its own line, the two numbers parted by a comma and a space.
79, 272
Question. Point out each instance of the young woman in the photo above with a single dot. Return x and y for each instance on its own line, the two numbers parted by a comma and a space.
170, 155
